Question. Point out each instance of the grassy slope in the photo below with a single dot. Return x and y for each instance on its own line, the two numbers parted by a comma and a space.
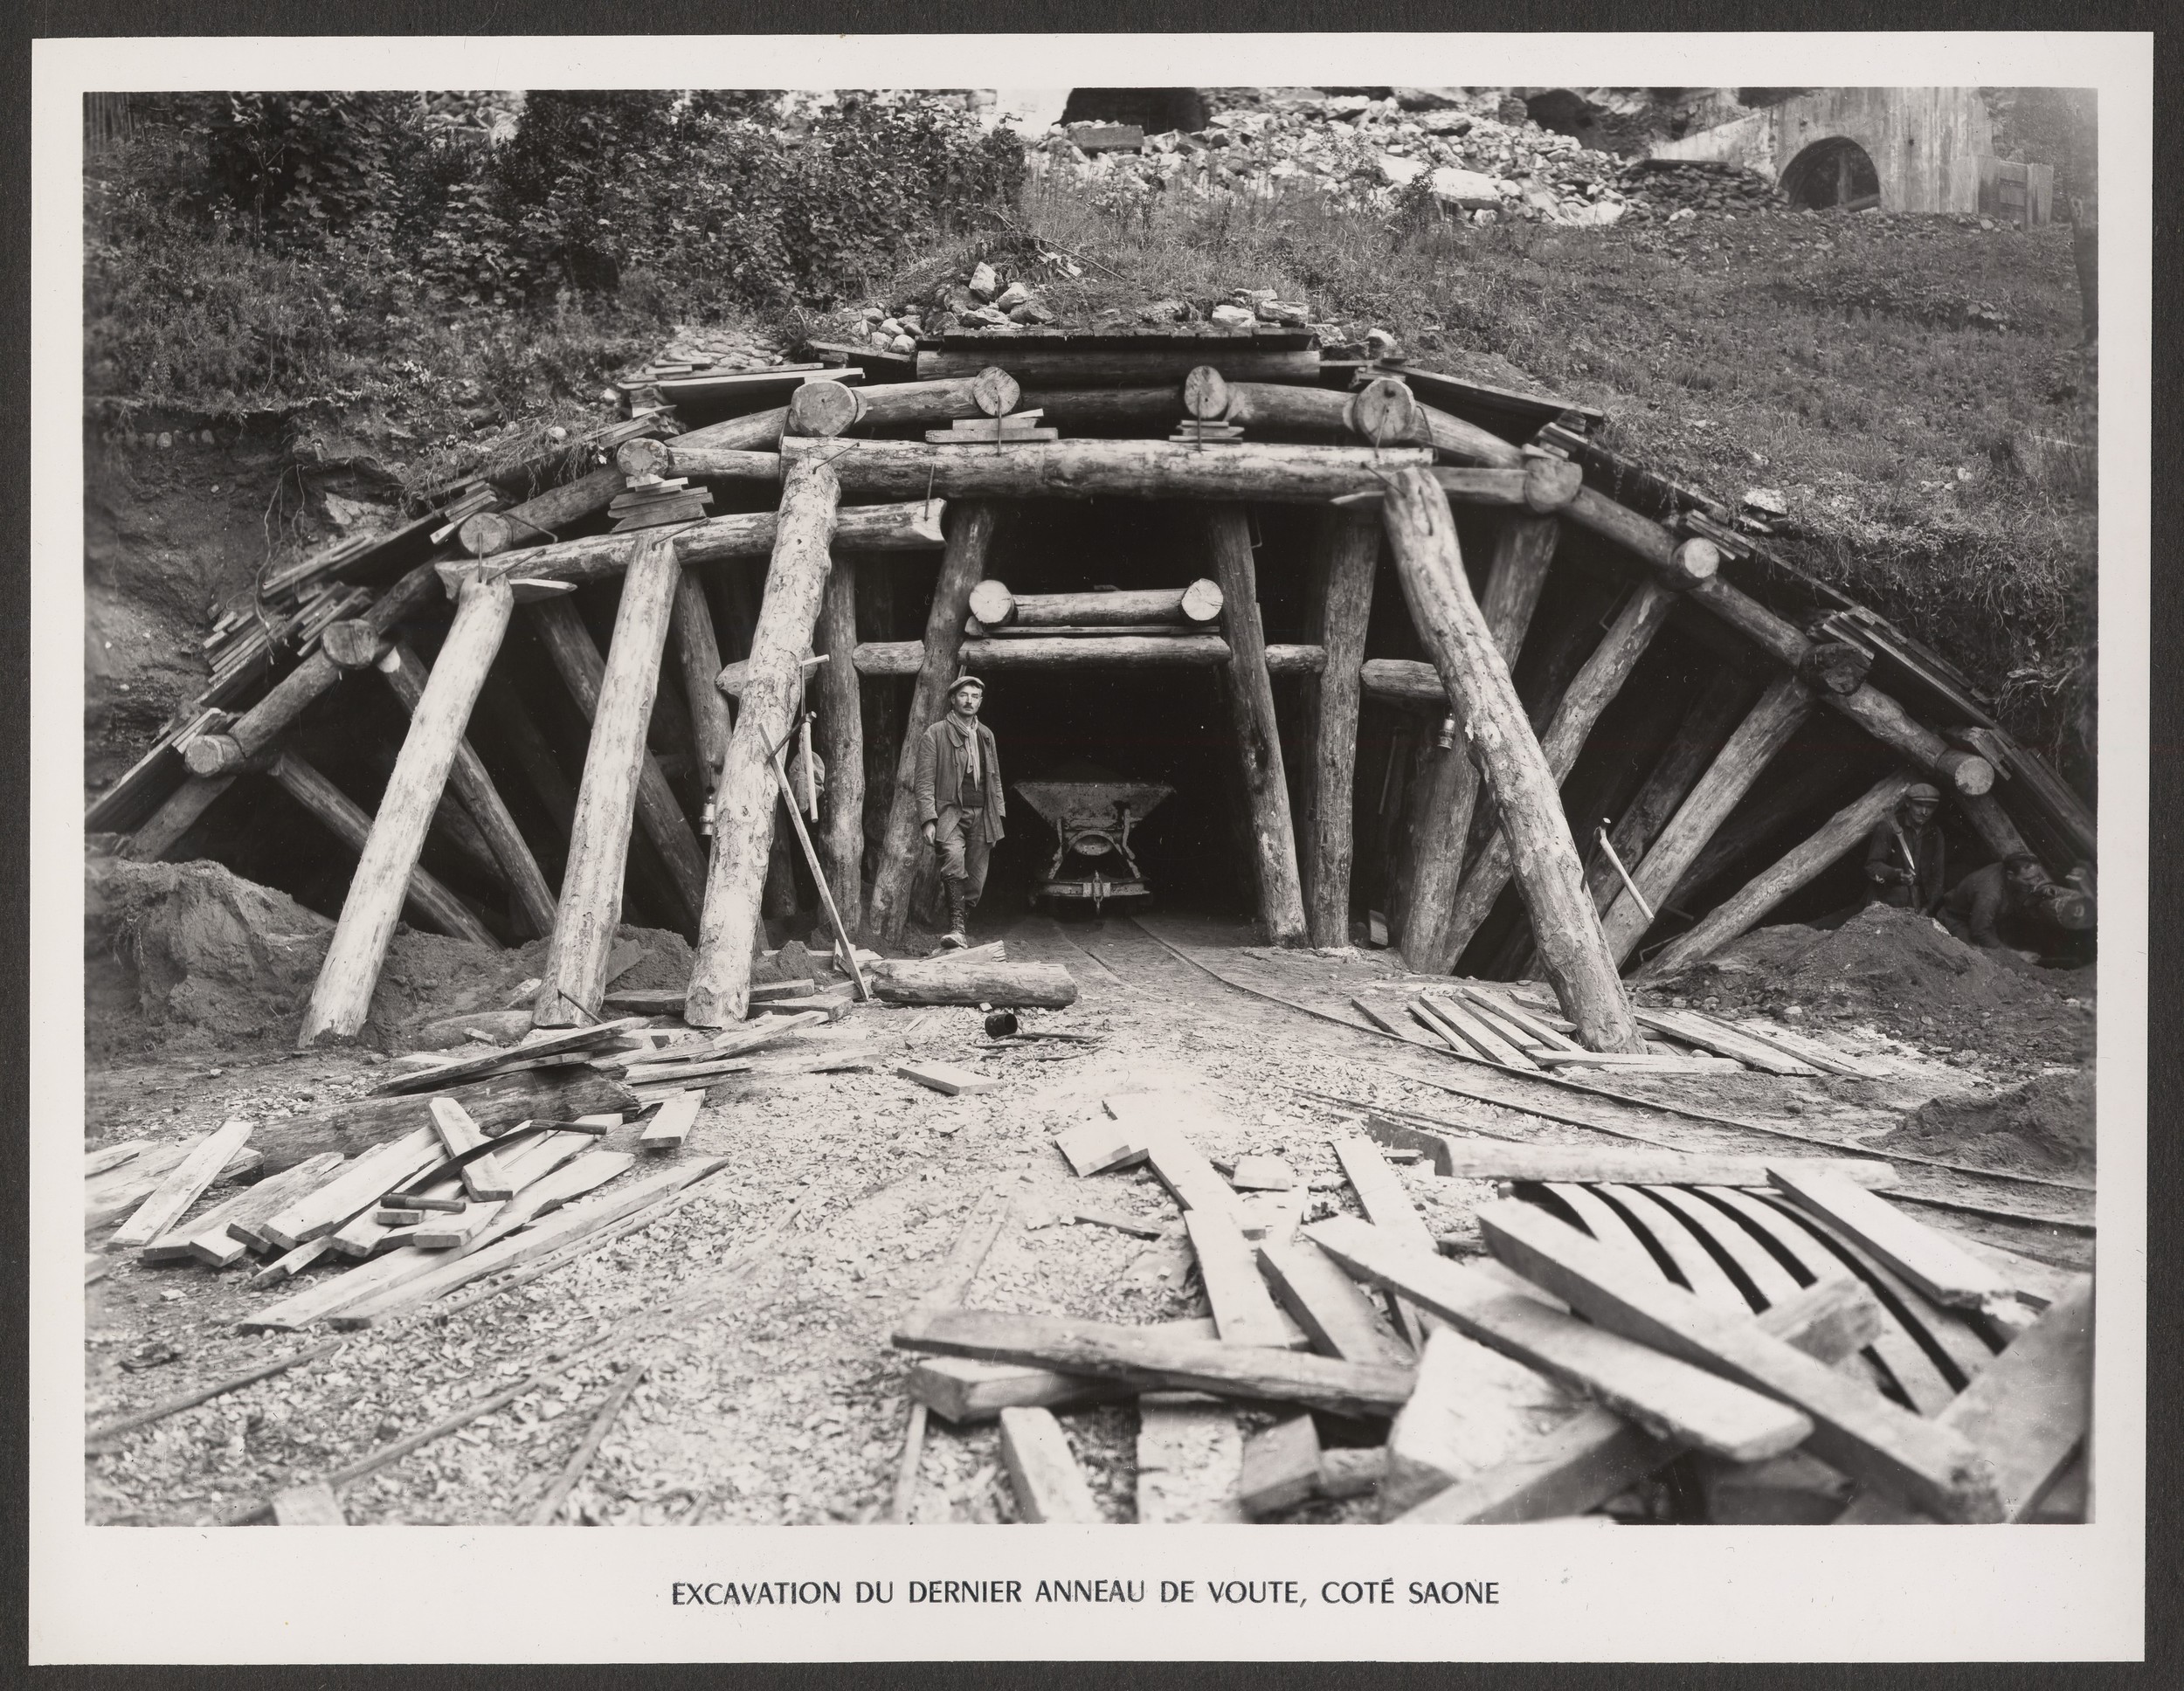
1941, 473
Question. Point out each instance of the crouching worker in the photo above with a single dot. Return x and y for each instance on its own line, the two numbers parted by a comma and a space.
959, 800
1997, 908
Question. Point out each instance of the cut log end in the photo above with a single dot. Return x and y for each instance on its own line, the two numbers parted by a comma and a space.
1202, 601
1552, 483
1693, 561
992, 604
643, 457
1384, 411
352, 645
1970, 775
823, 408
995, 391
485, 534
213, 753
1205, 394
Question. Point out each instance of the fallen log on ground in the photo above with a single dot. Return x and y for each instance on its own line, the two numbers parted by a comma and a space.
948, 981
495, 1105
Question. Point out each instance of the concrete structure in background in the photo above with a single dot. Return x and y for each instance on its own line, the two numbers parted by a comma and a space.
1918, 149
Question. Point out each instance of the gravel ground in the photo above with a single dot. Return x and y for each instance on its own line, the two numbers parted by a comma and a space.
763, 1308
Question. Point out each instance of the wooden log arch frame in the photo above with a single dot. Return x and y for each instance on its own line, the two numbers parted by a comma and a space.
712, 658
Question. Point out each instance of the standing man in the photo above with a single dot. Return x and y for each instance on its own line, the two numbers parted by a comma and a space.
959, 800
1904, 857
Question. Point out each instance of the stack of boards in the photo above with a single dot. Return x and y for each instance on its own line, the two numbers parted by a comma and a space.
1826, 1357
1519, 1028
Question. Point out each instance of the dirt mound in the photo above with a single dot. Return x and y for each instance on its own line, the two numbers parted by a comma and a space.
192, 953
189, 950
2043, 1126
1906, 975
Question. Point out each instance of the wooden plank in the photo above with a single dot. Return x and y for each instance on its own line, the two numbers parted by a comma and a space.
1097, 1147
482, 1177
1853, 1429
1929, 1260
1764, 1280
1706, 1277
964, 1390
313, 1505
561, 1042
946, 1078
1258, 1173
429, 1274
182, 1187
1897, 1352
667, 1130
584, 1172
1043, 1471
174, 1246
1806, 1049
1479, 1031
1160, 1361
1516, 1021
1472, 1406
354, 1191
453, 1232
1482, 1159
224, 1238
1187, 1173
1336, 1313
1667, 1396
1572, 1463
1957, 1335
1387, 1204
1450, 1036
112, 1157
1281, 1468
1244, 1313
1710, 1035
1190, 1460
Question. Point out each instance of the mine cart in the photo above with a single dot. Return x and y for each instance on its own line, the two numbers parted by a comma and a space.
1092, 820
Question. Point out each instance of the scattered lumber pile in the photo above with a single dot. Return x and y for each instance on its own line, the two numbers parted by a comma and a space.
1793, 1346
1516, 1026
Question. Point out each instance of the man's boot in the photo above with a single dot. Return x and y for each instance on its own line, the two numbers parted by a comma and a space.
958, 918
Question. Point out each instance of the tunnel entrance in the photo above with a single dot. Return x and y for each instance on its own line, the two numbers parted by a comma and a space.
1564, 112
1154, 110
1834, 172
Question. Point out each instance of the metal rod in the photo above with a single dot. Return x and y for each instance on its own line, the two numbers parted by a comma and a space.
1617, 863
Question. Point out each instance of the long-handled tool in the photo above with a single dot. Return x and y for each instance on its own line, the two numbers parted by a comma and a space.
810, 857
1617, 864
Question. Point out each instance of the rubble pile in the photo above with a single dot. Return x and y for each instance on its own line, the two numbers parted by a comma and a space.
1676, 192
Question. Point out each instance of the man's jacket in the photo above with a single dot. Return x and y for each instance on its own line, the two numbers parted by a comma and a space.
940, 761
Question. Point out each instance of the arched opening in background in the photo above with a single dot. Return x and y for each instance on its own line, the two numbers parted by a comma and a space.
1834, 172
1562, 112
1154, 110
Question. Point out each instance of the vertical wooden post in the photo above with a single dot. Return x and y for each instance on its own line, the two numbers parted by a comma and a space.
1524, 550
1422, 531
743, 807
575, 976
698, 653
1721, 703
1349, 552
970, 528
406, 674
428, 900
576, 654
341, 997
883, 706
1782, 708
1588, 695
841, 841
1842, 831
1258, 738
